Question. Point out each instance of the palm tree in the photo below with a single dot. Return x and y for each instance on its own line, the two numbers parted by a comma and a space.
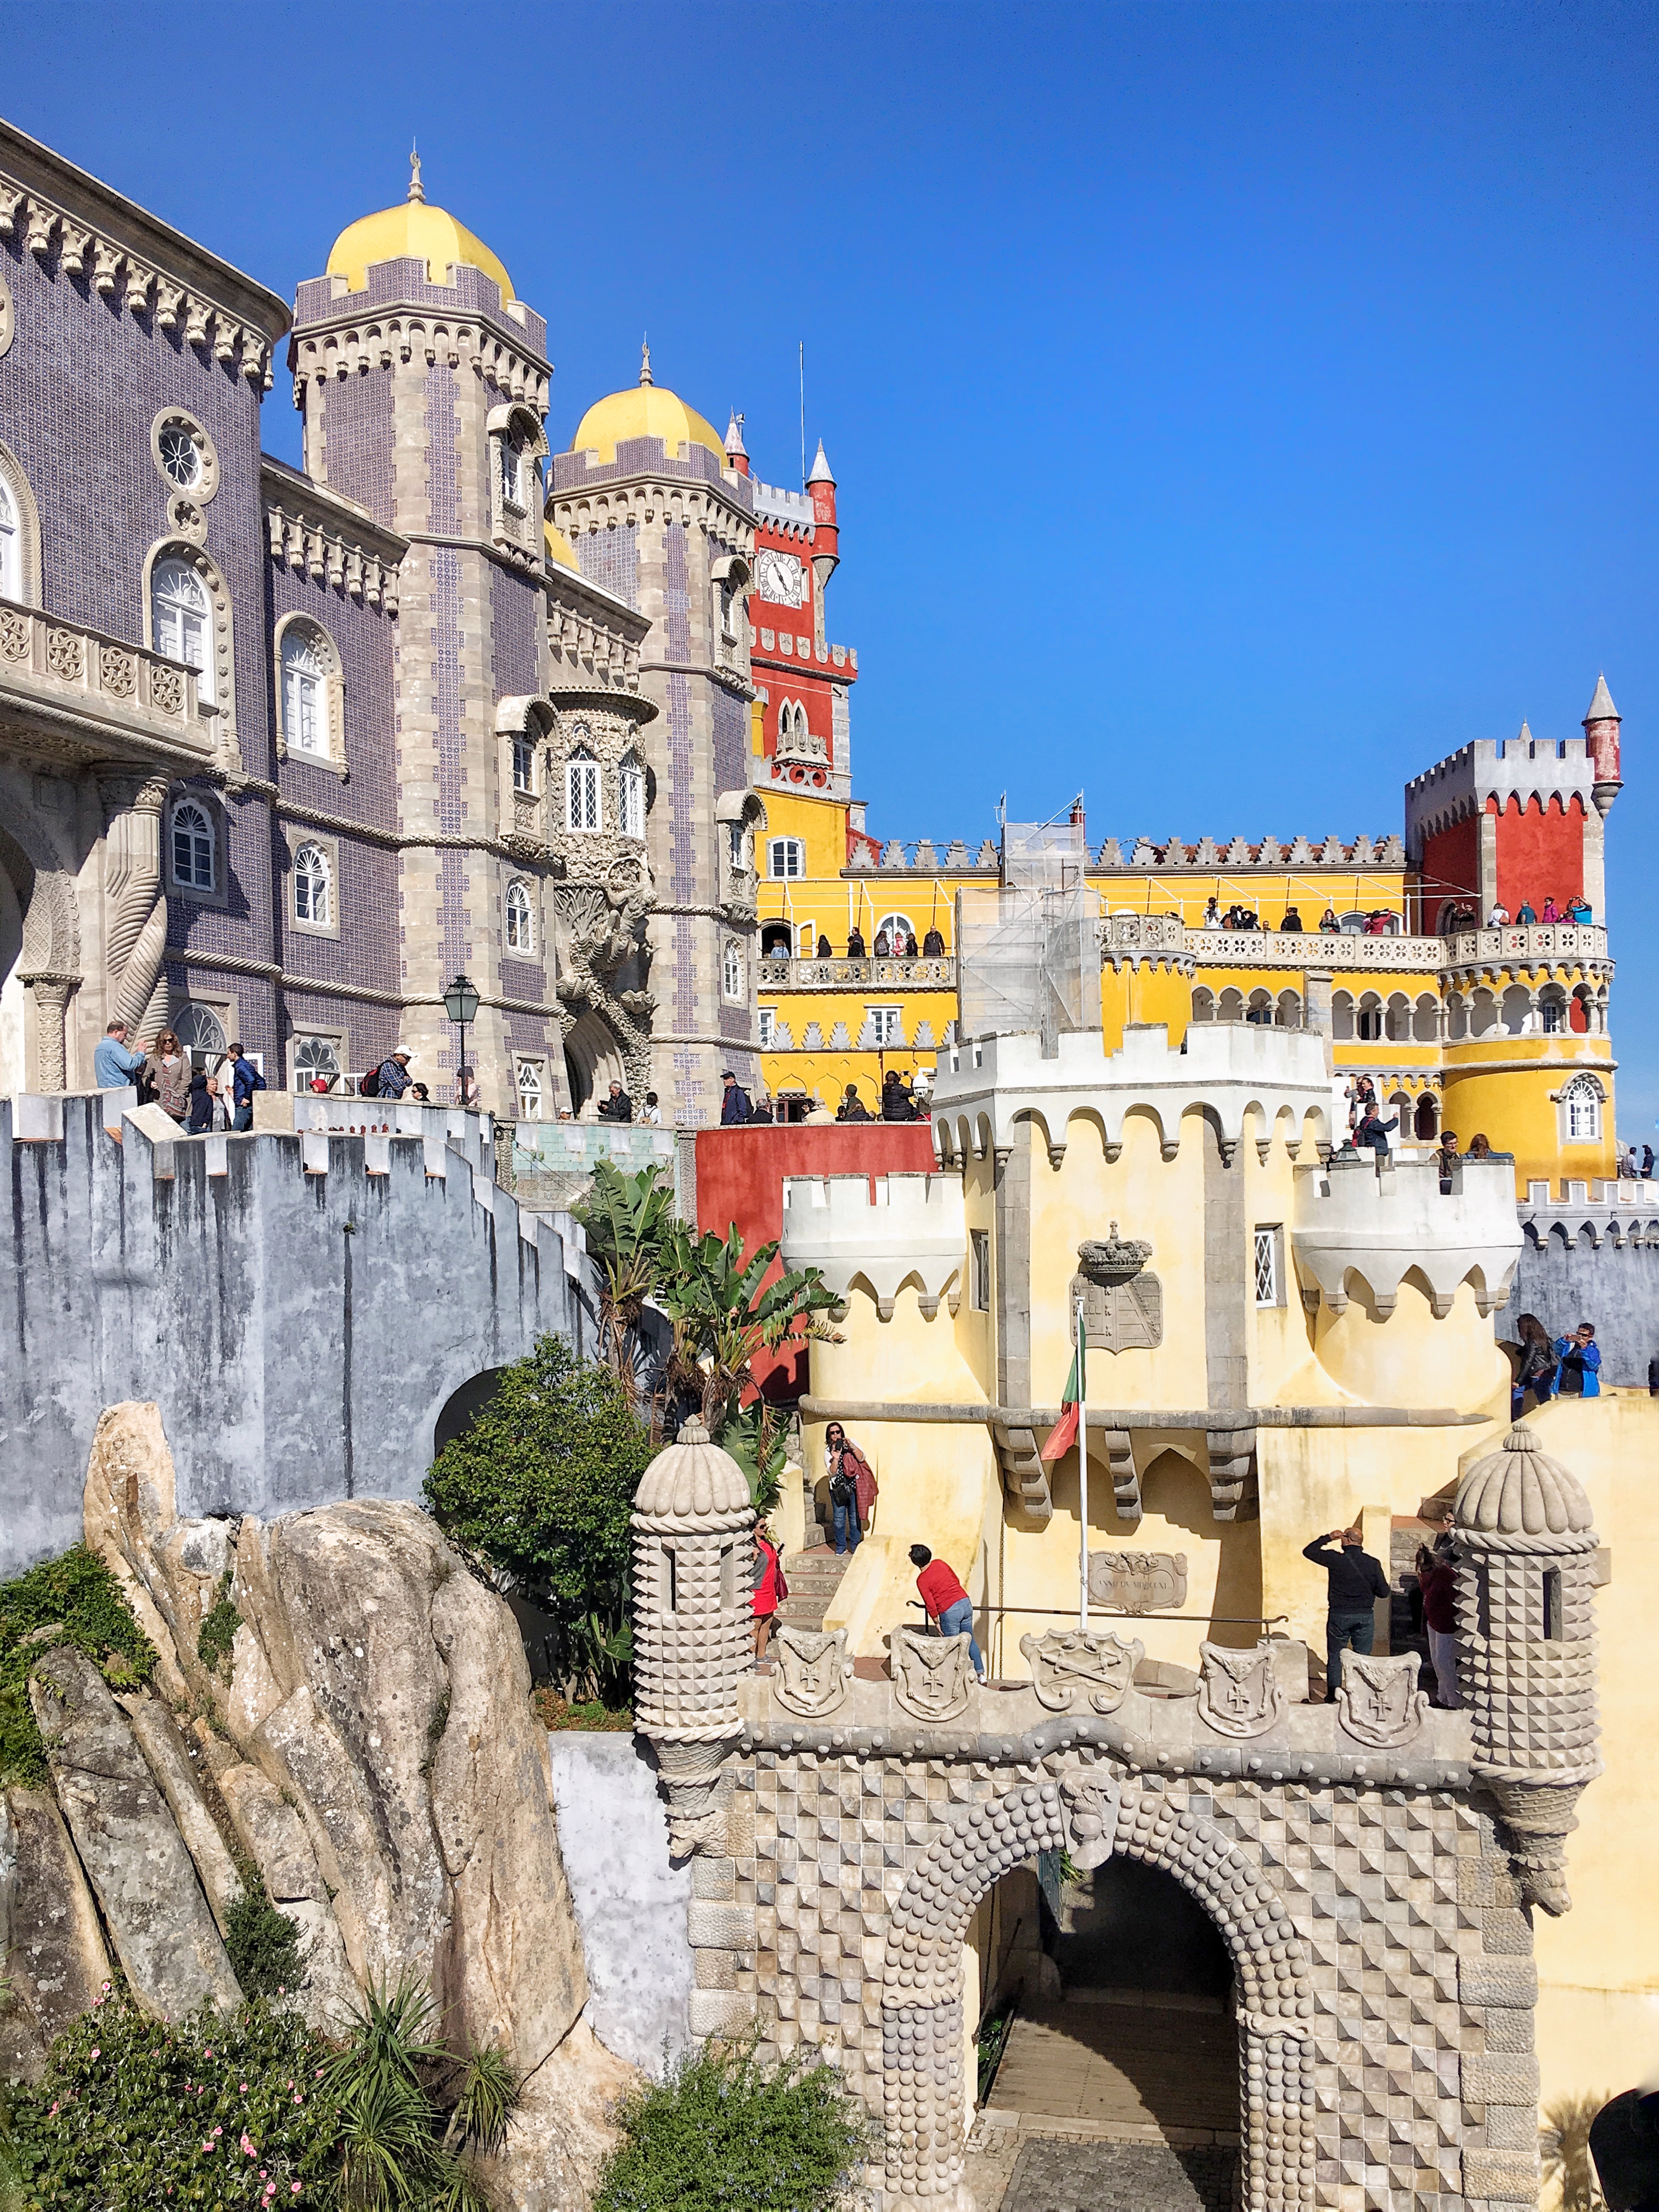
628, 1220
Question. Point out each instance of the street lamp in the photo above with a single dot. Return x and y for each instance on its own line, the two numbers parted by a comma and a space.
461, 1005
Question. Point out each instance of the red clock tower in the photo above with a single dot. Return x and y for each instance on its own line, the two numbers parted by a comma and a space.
807, 681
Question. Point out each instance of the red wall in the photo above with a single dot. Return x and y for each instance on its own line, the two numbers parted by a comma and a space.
1541, 854
740, 1176
1451, 870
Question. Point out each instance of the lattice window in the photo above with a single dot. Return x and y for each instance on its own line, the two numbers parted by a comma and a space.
631, 782
581, 787
1266, 1267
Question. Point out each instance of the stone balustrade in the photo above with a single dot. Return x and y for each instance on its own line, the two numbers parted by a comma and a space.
859, 974
1537, 944
52, 667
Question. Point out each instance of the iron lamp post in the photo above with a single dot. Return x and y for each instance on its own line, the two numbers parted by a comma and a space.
461, 1005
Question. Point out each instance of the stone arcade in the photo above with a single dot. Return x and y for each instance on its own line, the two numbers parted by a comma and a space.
1371, 1866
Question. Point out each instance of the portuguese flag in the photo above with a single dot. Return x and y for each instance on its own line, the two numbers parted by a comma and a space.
1063, 1434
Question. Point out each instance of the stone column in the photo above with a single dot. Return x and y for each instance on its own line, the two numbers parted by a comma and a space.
51, 995
136, 935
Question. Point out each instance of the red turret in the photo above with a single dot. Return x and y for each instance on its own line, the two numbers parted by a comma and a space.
735, 452
826, 539
1601, 736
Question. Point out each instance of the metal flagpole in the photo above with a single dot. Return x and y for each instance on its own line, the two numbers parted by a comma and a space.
1083, 1467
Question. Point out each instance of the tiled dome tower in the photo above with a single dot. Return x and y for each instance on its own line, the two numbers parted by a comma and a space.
1526, 1633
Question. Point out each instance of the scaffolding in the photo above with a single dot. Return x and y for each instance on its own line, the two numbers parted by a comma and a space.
1035, 968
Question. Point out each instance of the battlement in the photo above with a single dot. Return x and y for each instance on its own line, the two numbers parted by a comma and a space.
881, 1230
791, 509
1525, 768
1231, 1070
1354, 1218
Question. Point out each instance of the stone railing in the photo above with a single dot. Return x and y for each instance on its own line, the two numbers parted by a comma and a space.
63, 667
1274, 948
1277, 948
859, 974
1539, 941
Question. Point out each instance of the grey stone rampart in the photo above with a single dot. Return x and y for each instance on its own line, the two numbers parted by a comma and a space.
1595, 1263
299, 1306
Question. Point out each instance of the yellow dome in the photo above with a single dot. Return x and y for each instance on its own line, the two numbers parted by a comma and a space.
559, 547
412, 232
647, 411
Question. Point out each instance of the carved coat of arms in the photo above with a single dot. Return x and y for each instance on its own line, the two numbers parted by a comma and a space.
1067, 1660
813, 1670
1378, 1700
1138, 1582
933, 1675
1122, 1305
1091, 1803
1238, 1692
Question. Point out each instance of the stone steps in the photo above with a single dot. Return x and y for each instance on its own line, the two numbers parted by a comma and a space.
813, 1576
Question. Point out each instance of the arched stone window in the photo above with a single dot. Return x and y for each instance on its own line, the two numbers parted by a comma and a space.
20, 534
521, 919
313, 889
732, 970
1580, 1102
1368, 1021
582, 791
898, 927
1342, 1016
181, 620
310, 722
1203, 1004
630, 788
193, 846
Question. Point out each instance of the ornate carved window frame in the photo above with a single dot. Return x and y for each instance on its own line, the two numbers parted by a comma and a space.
222, 618
333, 694
28, 526
206, 482
1581, 1083
299, 836
515, 527
209, 803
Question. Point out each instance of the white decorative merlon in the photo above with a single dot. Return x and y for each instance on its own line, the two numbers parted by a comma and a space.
1352, 1218
1229, 1069
882, 1231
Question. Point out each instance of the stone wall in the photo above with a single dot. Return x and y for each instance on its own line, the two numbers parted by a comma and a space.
300, 1306
1571, 1269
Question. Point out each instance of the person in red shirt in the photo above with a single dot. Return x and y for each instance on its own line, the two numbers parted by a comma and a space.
770, 1588
1437, 1580
946, 1600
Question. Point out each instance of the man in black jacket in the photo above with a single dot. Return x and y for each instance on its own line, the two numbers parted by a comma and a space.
1356, 1583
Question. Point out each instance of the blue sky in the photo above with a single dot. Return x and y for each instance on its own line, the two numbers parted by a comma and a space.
1234, 409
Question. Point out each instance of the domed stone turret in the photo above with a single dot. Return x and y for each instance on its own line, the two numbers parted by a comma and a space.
413, 232
692, 1476
1526, 1635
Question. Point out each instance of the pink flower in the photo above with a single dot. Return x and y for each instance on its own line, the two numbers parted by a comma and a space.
218, 2131
96, 2052
294, 2187
53, 2110
245, 2089
248, 2150
208, 2145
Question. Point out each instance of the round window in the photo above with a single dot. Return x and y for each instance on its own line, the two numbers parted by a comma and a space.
181, 456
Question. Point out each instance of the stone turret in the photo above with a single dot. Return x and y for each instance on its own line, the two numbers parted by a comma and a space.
1526, 1636
693, 1612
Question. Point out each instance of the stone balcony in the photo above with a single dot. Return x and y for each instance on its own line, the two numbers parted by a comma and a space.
1135, 935
1354, 1217
859, 974
97, 695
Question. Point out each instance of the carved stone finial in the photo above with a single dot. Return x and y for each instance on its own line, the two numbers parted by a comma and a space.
644, 361
416, 189
1113, 1259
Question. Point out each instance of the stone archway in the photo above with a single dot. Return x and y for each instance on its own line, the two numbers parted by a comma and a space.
593, 1059
1091, 1811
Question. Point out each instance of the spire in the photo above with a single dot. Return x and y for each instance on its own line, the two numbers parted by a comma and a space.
822, 471
644, 361
1526, 732
416, 189
1601, 709
734, 444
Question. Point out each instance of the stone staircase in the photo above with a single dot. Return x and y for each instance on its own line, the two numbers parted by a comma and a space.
813, 1577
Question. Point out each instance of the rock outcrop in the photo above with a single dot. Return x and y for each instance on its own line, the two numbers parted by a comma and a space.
372, 1752
154, 1905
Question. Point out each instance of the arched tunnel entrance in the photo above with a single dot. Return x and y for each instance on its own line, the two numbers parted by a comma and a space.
1107, 2005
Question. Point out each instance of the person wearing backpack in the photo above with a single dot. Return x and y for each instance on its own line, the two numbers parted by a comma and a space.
1535, 1370
245, 1080
389, 1081
853, 1491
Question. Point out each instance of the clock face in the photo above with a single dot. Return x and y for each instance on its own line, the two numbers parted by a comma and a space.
782, 578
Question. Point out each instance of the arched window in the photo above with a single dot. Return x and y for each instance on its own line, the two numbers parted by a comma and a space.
193, 847
1368, 1023
512, 473
311, 886
1581, 1102
529, 1074
315, 1056
201, 1033
11, 547
520, 920
305, 693
732, 970
179, 621
785, 859
582, 790
630, 779
898, 927
523, 762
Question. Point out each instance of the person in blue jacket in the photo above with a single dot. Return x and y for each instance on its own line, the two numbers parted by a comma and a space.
1581, 1363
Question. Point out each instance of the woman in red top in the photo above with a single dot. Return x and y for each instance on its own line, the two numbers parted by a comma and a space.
770, 1587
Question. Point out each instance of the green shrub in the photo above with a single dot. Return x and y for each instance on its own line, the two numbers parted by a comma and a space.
217, 1634
263, 1943
541, 1484
79, 1599
725, 2128
132, 2114
401, 2142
